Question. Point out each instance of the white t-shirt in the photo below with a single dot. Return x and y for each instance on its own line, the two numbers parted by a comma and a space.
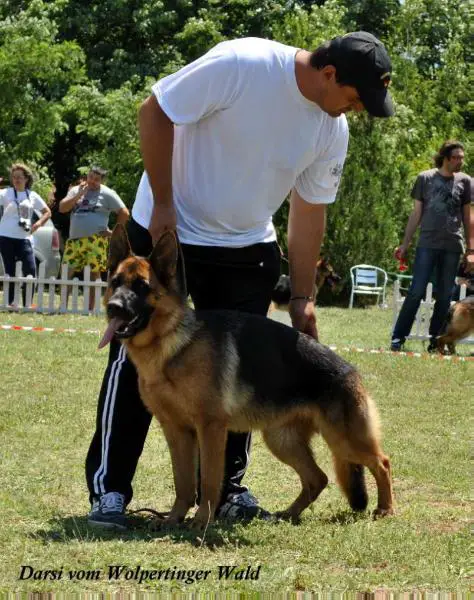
244, 137
14, 208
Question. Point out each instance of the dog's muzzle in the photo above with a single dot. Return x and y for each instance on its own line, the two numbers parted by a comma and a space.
123, 323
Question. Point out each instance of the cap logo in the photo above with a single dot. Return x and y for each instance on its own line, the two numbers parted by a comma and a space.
385, 79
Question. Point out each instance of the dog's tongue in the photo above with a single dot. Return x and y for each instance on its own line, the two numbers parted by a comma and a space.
109, 332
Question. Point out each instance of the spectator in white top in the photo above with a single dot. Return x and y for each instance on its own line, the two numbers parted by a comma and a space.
224, 141
19, 203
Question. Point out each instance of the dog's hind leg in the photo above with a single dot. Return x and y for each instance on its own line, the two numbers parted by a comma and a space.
379, 466
291, 444
458, 327
382, 471
183, 449
446, 341
212, 438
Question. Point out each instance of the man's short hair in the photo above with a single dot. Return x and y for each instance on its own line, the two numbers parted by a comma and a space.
321, 57
445, 151
98, 171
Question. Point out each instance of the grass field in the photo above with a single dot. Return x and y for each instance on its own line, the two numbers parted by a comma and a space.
48, 390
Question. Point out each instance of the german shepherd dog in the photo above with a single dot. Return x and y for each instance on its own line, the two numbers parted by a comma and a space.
325, 274
203, 374
459, 324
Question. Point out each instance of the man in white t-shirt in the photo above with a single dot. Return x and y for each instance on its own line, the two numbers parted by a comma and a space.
224, 141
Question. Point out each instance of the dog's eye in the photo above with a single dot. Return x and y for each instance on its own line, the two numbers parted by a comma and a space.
140, 286
115, 282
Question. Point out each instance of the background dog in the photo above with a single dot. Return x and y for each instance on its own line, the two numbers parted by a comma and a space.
459, 324
203, 374
325, 274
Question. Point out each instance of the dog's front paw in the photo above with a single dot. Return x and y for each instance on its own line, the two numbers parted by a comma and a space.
379, 513
285, 515
158, 523
201, 521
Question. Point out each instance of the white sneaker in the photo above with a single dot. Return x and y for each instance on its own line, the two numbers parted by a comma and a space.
108, 511
242, 507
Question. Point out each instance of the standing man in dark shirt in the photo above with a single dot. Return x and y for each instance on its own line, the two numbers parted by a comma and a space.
442, 196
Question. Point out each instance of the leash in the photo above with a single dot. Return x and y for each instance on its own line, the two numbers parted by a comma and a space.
155, 513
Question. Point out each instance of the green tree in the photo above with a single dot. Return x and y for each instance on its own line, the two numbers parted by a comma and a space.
376, 16
36, 71
430, 91
106, 127
73, 75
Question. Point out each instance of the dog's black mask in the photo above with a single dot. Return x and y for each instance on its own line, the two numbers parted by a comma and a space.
128, 307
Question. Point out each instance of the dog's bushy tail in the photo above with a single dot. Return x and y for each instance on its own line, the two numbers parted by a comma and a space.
448, 321
351, 478
354, 440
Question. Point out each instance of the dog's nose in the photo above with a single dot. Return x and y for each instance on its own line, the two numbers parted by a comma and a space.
116, 309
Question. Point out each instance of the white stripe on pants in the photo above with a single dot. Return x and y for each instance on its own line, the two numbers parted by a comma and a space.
107, 416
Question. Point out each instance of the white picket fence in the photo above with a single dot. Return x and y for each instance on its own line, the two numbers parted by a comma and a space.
420, 328
50, 295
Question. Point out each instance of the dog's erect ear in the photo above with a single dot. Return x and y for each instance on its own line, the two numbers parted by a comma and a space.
119, 248
164, 257
167, 262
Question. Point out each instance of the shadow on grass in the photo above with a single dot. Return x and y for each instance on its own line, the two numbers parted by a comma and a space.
345, 517
67, 529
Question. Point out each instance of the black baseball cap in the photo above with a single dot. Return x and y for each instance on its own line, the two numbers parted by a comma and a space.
361, 61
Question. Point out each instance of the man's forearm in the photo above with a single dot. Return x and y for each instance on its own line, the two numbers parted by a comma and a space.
68, 204
122, 216
156, 144
470, 239
45, 215
306, 227
467, 236
413, 222
469, 226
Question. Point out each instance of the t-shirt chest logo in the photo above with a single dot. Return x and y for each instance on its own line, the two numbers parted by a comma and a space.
88, 204
336, 172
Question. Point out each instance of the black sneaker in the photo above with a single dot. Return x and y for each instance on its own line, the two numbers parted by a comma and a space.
108, 512
242, 507
396, 345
